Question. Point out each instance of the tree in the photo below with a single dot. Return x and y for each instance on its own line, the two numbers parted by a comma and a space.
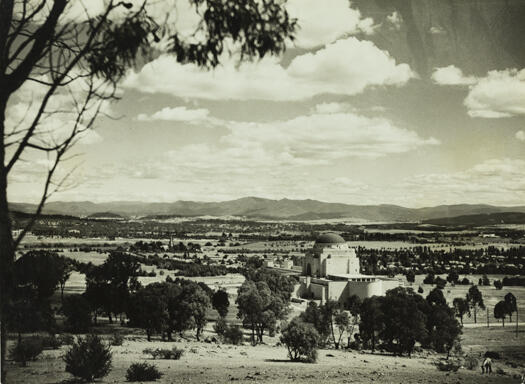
41, 270
342, 322
411, 276
109, 285
192, 308
443, 328
475, 300
89, 358
484, 280
301, 339
77, 61
315, 316
404, 321
64, 272
500, 310
498, 284
440, 282
371, 320
353, 305
77, 310
429, 279
220, 302
511, 304
461, 307
329, 312
259, 308
453, 277
436, 297
149, 310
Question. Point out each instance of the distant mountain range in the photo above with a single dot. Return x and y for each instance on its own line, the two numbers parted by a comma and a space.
480, 219
259, 208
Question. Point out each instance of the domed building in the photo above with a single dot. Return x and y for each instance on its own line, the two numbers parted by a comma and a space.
331, 271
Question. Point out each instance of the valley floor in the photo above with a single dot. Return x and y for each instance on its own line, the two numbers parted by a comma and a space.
219, 363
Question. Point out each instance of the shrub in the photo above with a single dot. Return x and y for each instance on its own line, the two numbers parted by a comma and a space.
165, 354
220, 326
142, 372
89, 358
471, 362
66, 339
301, 339
492, 355
117, 340
448, 365
233, 335
51, 342
27, 349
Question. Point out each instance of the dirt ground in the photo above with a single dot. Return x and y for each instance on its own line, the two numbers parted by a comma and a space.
215, 363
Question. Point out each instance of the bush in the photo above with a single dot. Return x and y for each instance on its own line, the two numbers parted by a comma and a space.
142, 372
493, 355
165, 354
51, 342
471, 362
233, 335
301, 339
66, 339
117, 340
89, 358
448, 365
27, 349
220, 326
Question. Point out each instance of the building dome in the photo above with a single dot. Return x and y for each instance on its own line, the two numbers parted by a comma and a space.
329, 238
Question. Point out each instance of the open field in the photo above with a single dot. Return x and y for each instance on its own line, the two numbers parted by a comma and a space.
219, 363
491, 296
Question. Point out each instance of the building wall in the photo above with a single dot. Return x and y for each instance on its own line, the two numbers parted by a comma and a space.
365, 289
337, 290
335, 265
319, 291
391, 284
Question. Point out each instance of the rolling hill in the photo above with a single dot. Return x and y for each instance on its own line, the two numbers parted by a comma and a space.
255, 207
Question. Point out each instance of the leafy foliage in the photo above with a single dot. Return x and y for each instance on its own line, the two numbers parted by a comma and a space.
221, 302
77, 311
165, 354
89, 358
475, 300
301, 339
27, 349
142, 372
260, 308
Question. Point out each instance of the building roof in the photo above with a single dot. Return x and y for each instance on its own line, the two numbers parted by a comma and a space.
329, 238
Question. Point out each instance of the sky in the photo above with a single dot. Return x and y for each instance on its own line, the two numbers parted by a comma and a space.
373, 103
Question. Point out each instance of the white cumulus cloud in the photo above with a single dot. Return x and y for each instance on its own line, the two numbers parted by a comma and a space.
346, 67
323, 22
452, 75
499, 94
176, 114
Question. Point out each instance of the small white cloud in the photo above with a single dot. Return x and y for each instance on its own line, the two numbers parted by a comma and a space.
520, 135
499, 94
332, 108
451, 75
437, 30
323, 22
395, 20
176, 114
